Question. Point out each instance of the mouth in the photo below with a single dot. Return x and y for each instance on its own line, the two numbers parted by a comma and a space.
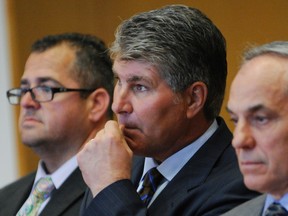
29, 121
127, 125
128, 130
131, 131
251, 166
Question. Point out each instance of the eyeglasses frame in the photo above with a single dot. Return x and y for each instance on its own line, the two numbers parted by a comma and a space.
53, 90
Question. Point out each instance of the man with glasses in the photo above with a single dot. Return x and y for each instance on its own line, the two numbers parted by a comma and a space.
64, 97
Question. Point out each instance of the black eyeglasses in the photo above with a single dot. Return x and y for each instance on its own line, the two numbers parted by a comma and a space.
39, 93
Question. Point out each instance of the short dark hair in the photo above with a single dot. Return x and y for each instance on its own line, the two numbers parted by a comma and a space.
92, 68
183, 44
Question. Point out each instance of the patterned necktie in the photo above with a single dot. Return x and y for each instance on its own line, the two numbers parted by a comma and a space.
41, 192
276, 209
151, 181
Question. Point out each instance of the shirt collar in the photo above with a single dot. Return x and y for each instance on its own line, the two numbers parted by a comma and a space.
270, 199
60, 175
172, 165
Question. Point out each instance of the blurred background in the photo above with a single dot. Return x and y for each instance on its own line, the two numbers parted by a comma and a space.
242, 22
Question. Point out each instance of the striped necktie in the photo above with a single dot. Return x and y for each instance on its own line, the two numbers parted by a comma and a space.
151, 181
41, 192
276, 209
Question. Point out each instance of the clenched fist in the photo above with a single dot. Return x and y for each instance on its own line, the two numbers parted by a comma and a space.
105, 159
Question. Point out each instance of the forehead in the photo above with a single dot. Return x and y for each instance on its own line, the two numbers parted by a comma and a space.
262, 80
135, 70
56, 62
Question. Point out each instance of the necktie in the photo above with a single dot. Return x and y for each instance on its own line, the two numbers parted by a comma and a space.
41, 192
275, 209
151, 181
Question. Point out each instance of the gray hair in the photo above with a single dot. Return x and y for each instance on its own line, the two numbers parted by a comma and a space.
276, 48
279, 48
182, 44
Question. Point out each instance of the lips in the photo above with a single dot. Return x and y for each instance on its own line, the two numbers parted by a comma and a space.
131, 132
127, 125
251, 166
128, 131
250, 162
29, 121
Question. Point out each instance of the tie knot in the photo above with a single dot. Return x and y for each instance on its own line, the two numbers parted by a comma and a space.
276, 209
152, 179
43, 188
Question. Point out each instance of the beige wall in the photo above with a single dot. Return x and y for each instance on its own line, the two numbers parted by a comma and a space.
242, 22
8, 159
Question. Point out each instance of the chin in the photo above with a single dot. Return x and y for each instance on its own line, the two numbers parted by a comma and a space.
254, 183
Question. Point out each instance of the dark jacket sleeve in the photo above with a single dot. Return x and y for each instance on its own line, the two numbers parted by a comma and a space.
119, 198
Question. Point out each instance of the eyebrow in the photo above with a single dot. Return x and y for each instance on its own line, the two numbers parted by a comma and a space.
251, 109
135, 78
41, 80
256, 108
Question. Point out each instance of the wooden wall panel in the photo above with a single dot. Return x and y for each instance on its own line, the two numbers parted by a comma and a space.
241, 22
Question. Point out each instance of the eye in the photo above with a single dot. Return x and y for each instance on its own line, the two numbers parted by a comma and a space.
233, 117
260, 119
44, 88
234, 120
139, 88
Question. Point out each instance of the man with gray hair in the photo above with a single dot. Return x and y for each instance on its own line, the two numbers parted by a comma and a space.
258, 105
170, 66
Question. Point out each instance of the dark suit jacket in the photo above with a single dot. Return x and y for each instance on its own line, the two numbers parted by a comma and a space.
253, 207
209, 184
65, 201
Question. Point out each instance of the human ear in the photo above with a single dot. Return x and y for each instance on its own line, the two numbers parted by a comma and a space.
196, 95
99, 104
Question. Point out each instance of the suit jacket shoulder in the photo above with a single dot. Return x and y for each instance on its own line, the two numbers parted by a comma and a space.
65, 201
15, 194
253, 207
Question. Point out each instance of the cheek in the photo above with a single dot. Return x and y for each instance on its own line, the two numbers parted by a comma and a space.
278, 157
162, 115
275, 152
60, 116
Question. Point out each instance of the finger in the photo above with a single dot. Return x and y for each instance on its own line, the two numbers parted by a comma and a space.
112, 127
121, 127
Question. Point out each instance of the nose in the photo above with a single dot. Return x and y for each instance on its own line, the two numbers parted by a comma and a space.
243, 136
27, 101
121, 101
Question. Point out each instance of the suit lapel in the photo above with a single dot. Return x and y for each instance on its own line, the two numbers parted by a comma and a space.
255, 206
201, 164
23, 190
197, 169
137, 169
72, 190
